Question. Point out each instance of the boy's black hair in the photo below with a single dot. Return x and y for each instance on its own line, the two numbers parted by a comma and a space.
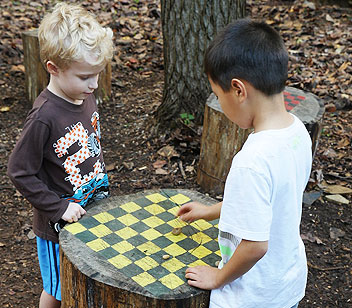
248, 50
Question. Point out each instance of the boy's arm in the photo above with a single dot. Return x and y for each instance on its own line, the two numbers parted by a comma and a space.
247, 254
25, 163
192, 211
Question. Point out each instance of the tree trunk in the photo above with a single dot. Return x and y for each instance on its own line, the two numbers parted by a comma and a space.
36, 76
188, 28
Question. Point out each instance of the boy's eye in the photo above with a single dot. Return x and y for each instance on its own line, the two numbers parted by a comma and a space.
83, 77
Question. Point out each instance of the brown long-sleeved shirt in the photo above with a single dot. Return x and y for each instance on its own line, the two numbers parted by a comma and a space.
58, 159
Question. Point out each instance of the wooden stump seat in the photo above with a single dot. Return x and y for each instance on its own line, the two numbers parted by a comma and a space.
123, 253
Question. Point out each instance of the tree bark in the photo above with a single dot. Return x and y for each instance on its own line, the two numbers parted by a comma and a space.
188, 27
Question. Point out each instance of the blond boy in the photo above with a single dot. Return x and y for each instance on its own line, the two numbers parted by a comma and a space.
57, 164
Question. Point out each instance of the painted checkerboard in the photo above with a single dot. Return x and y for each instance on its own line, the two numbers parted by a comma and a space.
135, 236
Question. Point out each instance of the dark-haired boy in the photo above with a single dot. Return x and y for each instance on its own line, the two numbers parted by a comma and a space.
263, 257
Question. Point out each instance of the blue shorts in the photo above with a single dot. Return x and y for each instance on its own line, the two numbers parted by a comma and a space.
49, 263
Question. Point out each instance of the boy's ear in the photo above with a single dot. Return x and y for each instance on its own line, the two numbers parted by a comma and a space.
52, 68
239, 88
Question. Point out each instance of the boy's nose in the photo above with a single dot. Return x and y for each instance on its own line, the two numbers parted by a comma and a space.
93, 84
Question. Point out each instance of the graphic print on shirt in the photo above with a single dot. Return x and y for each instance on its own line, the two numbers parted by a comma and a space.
84, 185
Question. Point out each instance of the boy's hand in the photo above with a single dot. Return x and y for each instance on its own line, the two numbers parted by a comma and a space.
203, 277
192, 211
73, 213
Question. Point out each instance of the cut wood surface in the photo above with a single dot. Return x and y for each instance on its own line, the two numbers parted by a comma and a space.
100, 270
222, 139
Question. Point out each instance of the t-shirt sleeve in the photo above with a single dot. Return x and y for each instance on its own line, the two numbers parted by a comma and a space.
23, 168
246, 211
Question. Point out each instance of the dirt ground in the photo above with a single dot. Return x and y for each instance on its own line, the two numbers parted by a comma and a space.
130, 150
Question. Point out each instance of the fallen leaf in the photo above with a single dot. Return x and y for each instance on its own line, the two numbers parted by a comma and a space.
18, 68
129, 165
343, 143
159, 164
329, 18
310, 197
161, 171
31, 235
337, 189
168, 151
189, 168
336, 233
4, 109
312, 238
338, 199
110, 167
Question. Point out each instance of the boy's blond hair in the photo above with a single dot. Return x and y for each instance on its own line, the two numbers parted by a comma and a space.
70, 34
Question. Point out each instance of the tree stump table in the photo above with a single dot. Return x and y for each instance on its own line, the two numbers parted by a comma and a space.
123, 253
37, 78
222, 139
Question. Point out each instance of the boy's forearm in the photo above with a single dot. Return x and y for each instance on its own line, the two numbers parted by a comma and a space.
214, 211
247, 254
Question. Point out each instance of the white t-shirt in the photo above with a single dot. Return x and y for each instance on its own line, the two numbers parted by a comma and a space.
263, 202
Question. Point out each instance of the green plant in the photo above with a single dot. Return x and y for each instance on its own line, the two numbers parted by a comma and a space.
186, 118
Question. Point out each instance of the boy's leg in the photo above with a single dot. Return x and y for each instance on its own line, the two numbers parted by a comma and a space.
48, 301
49, 258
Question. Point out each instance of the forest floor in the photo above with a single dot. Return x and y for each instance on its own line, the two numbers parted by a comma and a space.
319, 44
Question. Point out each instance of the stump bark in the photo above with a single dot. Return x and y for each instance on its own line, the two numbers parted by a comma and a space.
222, 139
37, 78
89, 280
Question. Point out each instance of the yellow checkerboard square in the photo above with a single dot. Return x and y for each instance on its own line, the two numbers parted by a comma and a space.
100, 230
176, 223
156, 197
153, 221
173, 265
154, 209
104, 217
148, 248
75, 228
174, 250
98, 244
128, 219
144, 279
120, 261
202, 238
126, 233
200, 252
122, 247
151, 234
175, 238
130, 207
202, 225
171, 281
174, 210
180, 199
198, 263
146, 263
